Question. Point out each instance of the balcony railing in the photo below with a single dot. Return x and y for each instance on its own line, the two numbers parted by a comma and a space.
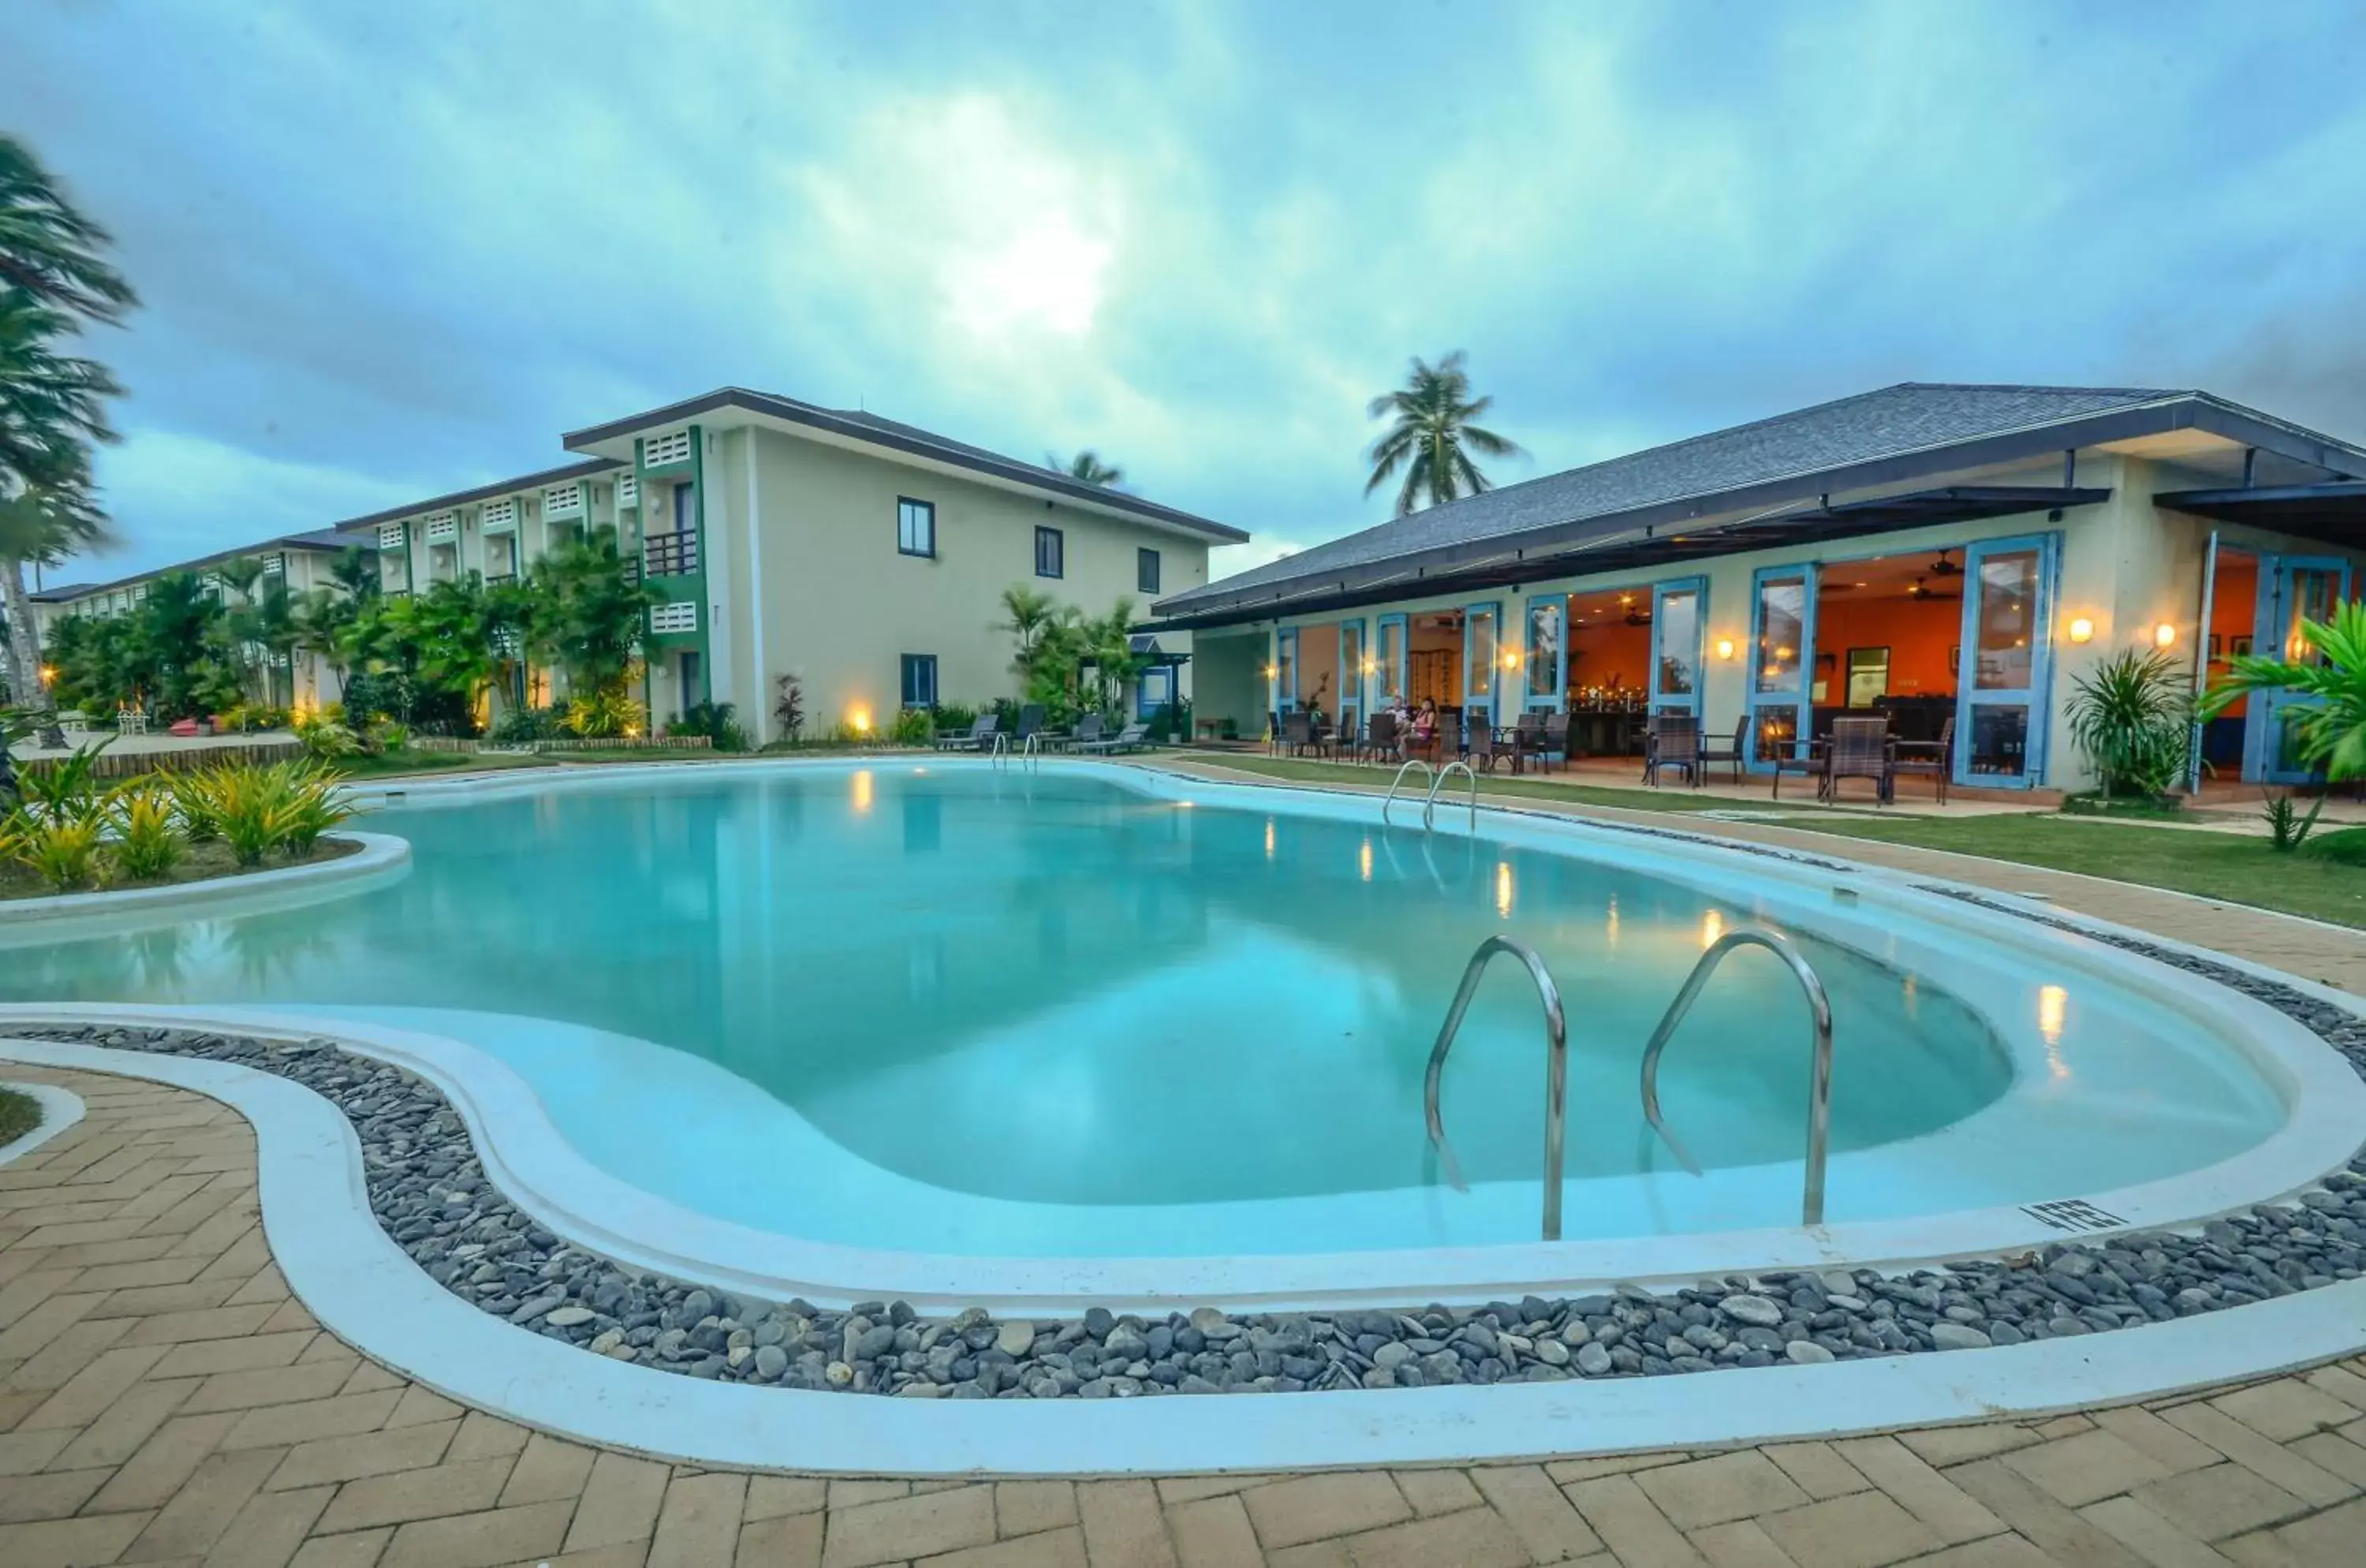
670, 555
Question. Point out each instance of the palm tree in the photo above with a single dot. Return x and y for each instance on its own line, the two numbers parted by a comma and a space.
1033, 612
2329, 679
39, 524
53, 405
1085, 466
1433, 413
49, 252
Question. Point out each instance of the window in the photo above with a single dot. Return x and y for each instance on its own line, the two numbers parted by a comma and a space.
685, 509
920, 679
1050, 553
1145, 571
916, 527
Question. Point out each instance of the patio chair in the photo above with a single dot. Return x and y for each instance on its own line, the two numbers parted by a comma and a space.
1030, 722
1273, 741
980, 736
1809, 766
1672, 741
1380, 743
1737, 756
1934, 760
1297, 732
1552, 741
1484, 753
131, 721
1133, 737
1859, 749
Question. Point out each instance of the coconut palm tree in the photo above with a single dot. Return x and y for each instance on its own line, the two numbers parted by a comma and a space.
44, 524
53, 405
1433, 436
49, 252
1085, 466
1033, 612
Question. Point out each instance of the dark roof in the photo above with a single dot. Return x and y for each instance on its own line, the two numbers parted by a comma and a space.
583, 469
315, 539
2333, 513
1878, 437
909, 439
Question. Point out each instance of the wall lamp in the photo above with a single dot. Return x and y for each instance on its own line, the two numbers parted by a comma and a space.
2081, 630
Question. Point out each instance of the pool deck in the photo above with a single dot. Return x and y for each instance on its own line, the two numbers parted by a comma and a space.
162, 1399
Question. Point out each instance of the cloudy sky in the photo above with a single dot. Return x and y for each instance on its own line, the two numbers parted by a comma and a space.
390, 250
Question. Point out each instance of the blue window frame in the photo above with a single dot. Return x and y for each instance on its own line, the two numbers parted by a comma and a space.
1679, 628
1388, 672
1483, 637
685, 509
1050, 553
919, 680
915, 526
2004, 679
1782, 662
1145, 571
1546, 652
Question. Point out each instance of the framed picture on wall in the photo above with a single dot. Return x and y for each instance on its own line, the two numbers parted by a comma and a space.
1955, 658
2214, 646
2239, 646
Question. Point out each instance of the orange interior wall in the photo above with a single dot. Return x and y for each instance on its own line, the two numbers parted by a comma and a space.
1318, 666
2233, 607
1427, 638
1613, 655
1917, 634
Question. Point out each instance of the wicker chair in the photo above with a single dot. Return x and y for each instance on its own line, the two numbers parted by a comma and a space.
1860, 750
1380, 740
1484, 754
1737, 756
1936, 762
1555, 742
1671, 741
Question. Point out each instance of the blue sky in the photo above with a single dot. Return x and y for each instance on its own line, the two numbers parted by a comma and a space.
392, 249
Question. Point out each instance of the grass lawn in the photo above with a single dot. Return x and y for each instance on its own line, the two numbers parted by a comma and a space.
19, 1114
2240, 869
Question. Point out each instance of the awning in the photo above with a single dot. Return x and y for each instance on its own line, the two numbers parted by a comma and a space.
1145, 645
2335, 513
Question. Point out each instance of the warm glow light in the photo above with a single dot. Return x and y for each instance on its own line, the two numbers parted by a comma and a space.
1511, 659
1364, 860
1712, 928
1783, 652
1372, 666
2165, 635
1610, 928
862, 793
2053, 1005
859, 716
1271, 671
2081, 630
1269, 838
1503, 888
1725, 648
49, 673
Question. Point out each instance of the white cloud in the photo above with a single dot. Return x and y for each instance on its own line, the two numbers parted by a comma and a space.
174, 497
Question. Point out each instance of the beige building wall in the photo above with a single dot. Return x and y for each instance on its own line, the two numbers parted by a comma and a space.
818, 588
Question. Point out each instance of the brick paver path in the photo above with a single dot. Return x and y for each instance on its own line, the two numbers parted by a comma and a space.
162, 1400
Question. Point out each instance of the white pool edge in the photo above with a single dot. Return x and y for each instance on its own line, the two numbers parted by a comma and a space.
364, 1289
71, 916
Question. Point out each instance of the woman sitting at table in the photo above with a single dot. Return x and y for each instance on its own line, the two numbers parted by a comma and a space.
1424, 728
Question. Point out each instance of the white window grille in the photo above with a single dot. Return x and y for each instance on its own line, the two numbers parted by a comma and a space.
562, 500
678, 616
272, 563
390, 537
499, 516
139, 594
628, 490
673, 447
443, 529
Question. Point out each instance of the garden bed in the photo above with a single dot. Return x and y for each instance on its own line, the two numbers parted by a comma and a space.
207, 861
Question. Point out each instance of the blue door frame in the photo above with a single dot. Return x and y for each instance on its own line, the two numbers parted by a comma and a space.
1479, 697
1284, 681
1558, 672
1664, 697
1353, 686
1977, 730
1795, 693
1393, 632
2282, 605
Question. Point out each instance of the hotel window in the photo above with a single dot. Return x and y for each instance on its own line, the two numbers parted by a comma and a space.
916, 527
1050, 553
685, 509
919, 680
1145, 571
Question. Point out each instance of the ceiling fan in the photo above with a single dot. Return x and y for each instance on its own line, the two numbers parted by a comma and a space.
1922, 589
1945, 565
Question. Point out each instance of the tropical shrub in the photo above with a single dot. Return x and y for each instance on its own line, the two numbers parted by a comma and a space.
2345, 847
311, 803
2133, 715
61, 852
954, 718
518, 726
148, 834
2287, 829
716, 721
196, 800
248, 810
325, 738
789, 708
67, 790
386, 735
912, 727
2329, 718
604, 713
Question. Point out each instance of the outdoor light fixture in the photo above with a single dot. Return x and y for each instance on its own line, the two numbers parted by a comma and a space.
49, 673
1725, 648
859, 716
2082, 629
2165, 635
1512, 661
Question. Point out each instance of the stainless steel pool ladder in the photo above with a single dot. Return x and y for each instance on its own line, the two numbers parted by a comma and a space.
1436, 781
1029, 752
1556, 1069
1820, 1081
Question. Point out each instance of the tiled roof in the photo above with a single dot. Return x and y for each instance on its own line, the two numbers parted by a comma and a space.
1910, 417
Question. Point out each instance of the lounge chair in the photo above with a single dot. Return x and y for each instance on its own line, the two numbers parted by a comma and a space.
1088, 732
1484, 751
1380, 743
1133, 737
980, 736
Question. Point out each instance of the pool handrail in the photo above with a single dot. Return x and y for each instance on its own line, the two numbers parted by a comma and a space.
1819, 1083
1430, 805
1411, 763
1556, 1069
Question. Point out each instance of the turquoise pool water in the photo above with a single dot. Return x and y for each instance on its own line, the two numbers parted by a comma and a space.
990, 1010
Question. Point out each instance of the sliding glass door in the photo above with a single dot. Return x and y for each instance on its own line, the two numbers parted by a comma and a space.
2292, 589
1782, 640
1547, 652
1389, 662
1679, 612
2006, 667
1351, 677
1483, 627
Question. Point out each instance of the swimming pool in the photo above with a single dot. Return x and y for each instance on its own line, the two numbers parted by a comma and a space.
944, 1010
